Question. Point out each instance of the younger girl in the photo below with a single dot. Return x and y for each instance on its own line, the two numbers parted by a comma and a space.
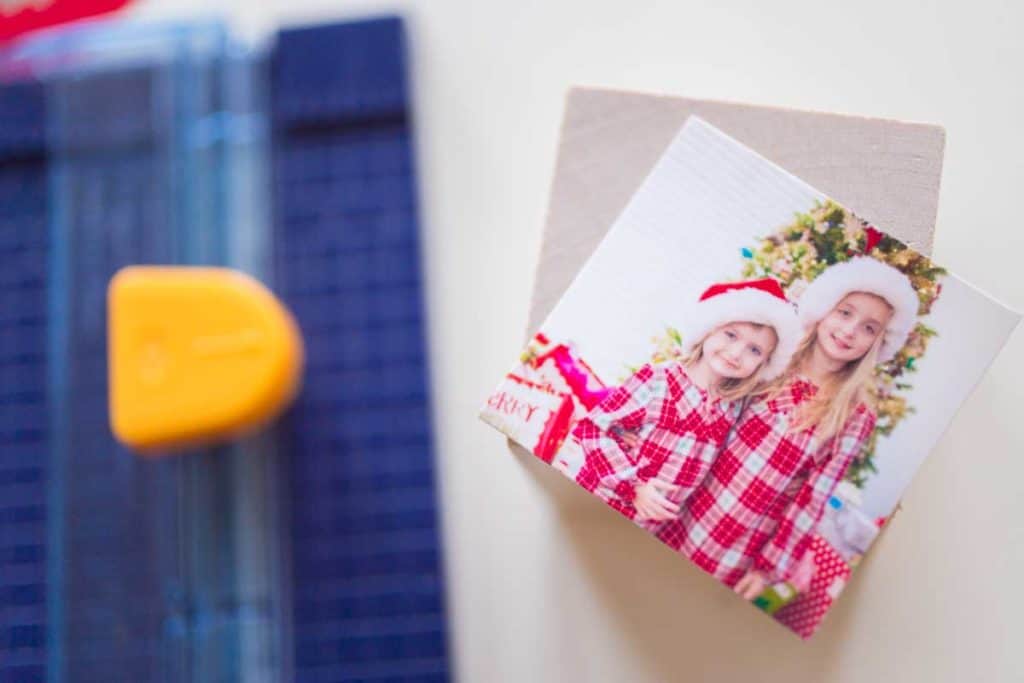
738, 335
752, 518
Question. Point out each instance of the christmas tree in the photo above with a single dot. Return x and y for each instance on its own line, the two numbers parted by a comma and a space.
798, 253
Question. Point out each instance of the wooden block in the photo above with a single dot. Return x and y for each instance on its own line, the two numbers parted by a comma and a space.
887, 171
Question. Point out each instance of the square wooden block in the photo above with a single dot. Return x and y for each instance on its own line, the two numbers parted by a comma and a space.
887, 171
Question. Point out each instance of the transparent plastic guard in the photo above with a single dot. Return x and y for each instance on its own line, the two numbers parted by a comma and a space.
157, 568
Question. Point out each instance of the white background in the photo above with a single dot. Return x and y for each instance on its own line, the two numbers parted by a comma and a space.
940, 600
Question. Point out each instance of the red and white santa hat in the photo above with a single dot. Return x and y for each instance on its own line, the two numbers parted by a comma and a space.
755, 301
864, 274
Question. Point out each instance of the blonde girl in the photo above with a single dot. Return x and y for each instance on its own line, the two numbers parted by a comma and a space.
752, 518
740, 335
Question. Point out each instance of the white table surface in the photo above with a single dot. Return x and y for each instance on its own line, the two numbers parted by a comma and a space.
537, 594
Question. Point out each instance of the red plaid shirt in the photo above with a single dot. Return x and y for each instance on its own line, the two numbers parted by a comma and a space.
680, 429
766, 491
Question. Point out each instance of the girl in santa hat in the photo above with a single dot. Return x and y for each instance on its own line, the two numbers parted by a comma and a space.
739, 335
752, 518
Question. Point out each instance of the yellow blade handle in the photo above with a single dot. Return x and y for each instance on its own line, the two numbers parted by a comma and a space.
196, 355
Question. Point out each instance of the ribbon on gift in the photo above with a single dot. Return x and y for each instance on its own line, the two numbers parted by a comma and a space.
577, 375
559, 368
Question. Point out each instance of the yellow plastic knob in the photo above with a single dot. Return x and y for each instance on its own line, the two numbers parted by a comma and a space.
196, 356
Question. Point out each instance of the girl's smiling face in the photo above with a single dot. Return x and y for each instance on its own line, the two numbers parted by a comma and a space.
736, 350
849, 330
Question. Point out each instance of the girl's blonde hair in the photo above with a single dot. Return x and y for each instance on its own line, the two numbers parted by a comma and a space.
732, 389
836, 399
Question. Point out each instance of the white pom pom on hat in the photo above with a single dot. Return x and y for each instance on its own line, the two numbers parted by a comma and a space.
864, 274
756, 301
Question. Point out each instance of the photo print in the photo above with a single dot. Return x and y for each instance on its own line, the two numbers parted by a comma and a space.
750, 372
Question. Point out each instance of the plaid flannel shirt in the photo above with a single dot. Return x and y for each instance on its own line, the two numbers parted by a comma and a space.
766, 491
680, 428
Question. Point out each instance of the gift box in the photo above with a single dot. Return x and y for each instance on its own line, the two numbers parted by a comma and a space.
560, 368
831, 572
543, 397
778, 595
775, 597
530, 414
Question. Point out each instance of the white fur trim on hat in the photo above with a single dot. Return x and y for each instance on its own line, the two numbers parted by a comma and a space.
864, 274
747, 305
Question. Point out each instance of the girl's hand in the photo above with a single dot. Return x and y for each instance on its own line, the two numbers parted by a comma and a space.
751, 585
630, 439
651, 504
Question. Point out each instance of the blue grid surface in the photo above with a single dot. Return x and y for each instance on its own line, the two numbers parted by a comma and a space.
368, 597
116, 568
23, 378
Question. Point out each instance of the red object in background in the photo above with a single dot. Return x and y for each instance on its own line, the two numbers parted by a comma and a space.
32, 15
